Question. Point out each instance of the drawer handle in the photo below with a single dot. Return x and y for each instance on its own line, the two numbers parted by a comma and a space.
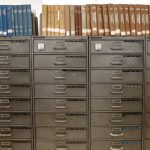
60, 60
117, 61
4, 75
60, 76
117, 92
5, 132
5, 118
61, 118
117, 46
4, 47
61, 45
116, 135
61, 146
116, 106
4, 104
116, 132
5, 146
116, 121
60, 104
60, 63
61, 132
113, 148
60, 89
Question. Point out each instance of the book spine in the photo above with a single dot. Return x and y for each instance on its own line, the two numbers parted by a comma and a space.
20, 19
121, 20
83, 13
16, 20
56, 20
25, 26
138, 20
79, 21
93, 20
116, 15
72, 20
132, 20
67, 20
1, 31
106, 20
111, 19
52, 20
100, 24
76, 20
62, 21
4, 20
127, 19
44, 20
143, 20
49, 20
36, 25
147, 20
88, 20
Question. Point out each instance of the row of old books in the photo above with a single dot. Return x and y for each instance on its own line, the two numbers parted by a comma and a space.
95, 20
16, 20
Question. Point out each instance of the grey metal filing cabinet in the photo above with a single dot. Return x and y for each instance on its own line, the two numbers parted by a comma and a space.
116, 69
15, 94
60, 76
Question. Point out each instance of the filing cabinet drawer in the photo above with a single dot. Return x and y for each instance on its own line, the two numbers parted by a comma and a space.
57, 133
117, 46
116, 90
147, 144
59, 61
15, 104
14, 46
116, 132
15, 145
147, 132
147, 120
148, 89
148, 76
116, 104
116, 145
116, 76
147, 105
15, 76
14, 61
48, 145
59, 45
99, 119
15, 90
42, 90
15, 118
15, 133
61, 119
60, 76
60, 105
116, 61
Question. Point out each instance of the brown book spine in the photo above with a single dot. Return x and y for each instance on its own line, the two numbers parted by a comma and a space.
116, 15
93, 20
49, 21
79, 21
132, 20
147, 20
106, 20
143, 20
67, 20
127, 19
44, 20
138, 20
83, 12
111, 19
88, 20
76, 20
62, 20
72, 20
121, 20
52, 20
100, 24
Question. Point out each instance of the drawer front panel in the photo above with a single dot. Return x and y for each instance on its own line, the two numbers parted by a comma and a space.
148, 89
99, 119
60, 105
60, 76
116, 61
147, 105
148, 76
60, 90
59, 61
116, 90
49, 119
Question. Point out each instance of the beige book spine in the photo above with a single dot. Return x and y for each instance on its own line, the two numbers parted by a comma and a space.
147, 20
44, 20
67, 20
49, 21
52, 20
83, 13
72, 21
116, 15
88, 20
57, 18
127, 19
62, 20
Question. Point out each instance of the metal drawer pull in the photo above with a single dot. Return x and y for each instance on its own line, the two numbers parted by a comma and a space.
61, 146
4, 47
61, 132
114, 148
61, 118
60, 60
117, 89
5, 146
4, 75
60, 104
4, 104
60, 45
116, 121
116, 92
117, 45
116, 132
116, 118
60, 76
60, 89
116, 106
117, 75
5, 132
5, 118
4, 89
117, 61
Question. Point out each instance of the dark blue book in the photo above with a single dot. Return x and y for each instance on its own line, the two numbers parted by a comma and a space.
25, 26
1, 31
9, 13
15, 12
20, 19
29, 20
13, 21
4, 20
